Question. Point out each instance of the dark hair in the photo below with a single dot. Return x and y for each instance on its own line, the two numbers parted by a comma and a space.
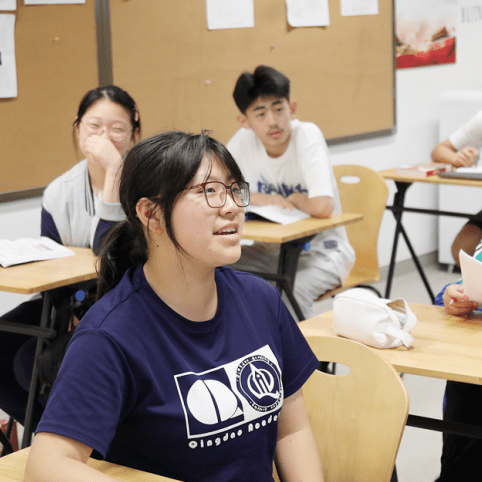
114, 94
263, 82
158, 168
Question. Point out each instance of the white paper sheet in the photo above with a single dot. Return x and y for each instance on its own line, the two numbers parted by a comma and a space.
308, 13
277, 214
26, 250
8, 68
229, 14
471, 269
359, 7
470, 170
8, 4
51, 2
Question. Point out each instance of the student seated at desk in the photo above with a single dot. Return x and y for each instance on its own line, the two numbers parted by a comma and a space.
463, 402
461, 149
77, 209
184, 367
287, 163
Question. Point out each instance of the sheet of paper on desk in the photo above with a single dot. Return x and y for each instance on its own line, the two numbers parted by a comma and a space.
26, 250
471, 269
277, 214
469, 169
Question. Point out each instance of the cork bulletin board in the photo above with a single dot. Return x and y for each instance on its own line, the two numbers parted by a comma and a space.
56, 57
182, 74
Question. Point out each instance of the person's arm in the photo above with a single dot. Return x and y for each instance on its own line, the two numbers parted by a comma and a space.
261, 199
48, 227
319, 207
456, 302
296, 456
54, 458
447, 153
103, 152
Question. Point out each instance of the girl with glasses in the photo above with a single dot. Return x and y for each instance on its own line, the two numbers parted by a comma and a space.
184, 367
78, 208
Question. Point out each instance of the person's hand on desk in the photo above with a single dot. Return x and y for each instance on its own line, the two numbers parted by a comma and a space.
466, 157
319, 206
456, 302
446, 152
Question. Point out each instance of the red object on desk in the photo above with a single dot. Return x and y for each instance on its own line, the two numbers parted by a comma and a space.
422, 170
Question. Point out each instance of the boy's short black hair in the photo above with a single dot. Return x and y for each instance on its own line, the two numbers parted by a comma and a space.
263, 82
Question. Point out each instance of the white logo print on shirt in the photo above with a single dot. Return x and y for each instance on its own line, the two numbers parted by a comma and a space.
231, 395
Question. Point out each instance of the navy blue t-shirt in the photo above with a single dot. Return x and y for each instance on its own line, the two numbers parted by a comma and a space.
149, 389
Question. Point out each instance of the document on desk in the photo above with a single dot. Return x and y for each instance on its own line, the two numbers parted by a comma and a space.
26, 250
277, 214
471, 269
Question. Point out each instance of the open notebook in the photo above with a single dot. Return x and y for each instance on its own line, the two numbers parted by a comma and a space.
463, 173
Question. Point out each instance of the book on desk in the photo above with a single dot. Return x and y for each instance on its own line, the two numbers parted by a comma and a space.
276, 214
26, 250
423, 170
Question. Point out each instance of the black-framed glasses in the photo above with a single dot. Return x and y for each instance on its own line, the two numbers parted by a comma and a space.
215, 193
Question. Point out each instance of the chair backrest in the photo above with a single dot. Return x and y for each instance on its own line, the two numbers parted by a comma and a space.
357, 418
364, 191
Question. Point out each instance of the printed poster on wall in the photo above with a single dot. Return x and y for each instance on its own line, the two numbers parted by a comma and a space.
425, 32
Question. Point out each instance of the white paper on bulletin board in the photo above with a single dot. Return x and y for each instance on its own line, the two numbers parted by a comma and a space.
223, 14
359, 7
8, 4
8, 66
51, 2
308, 13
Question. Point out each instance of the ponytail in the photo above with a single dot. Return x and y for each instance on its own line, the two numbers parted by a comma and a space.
121, 250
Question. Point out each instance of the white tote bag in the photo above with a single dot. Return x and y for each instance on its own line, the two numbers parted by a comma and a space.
360, 315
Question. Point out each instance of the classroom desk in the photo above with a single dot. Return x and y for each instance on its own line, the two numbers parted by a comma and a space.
445, 346
12, 469
37, 277
292, 238
398, 208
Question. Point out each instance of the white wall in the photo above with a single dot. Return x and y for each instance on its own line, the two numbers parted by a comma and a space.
20, 219
417, 105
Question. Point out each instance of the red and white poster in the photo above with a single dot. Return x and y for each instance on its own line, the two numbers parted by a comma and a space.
425, 32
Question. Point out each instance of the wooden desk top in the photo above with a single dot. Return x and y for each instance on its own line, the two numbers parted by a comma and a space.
445, 346
269, 232
12, 469
392, 174
41, 276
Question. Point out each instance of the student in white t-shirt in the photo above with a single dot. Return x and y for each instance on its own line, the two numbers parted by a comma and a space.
462, 149
287, 163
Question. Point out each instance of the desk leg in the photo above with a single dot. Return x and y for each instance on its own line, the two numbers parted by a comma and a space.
397, 210
34, 384
287, 266
398, 202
